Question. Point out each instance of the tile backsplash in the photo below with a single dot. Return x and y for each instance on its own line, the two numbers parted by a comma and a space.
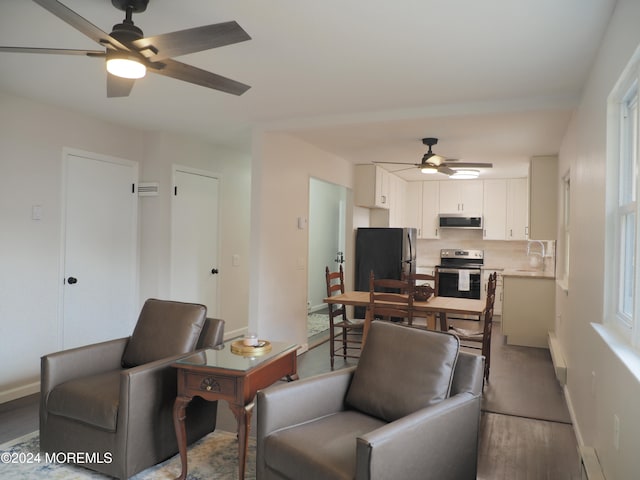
497, 253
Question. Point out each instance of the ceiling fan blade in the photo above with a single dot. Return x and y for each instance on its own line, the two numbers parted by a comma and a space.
446, 170
469, 165
54, 51
197, 76
191, 40
397, 163
81, 24
118, 86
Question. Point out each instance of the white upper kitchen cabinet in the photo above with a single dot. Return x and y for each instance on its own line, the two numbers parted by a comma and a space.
397, 200
372, 185
495, 210
506, 209
517, 209
543, 191
413, 206
430, 209
461, 196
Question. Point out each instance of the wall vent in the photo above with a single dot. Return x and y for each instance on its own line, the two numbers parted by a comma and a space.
148, 189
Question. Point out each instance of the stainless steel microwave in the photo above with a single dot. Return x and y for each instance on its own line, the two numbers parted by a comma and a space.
459, 221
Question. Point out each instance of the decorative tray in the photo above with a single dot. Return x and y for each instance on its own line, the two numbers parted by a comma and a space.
240, 348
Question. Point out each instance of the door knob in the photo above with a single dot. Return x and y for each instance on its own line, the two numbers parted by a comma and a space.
214, 271
72, 280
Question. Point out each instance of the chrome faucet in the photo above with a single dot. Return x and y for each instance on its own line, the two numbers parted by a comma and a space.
542, 254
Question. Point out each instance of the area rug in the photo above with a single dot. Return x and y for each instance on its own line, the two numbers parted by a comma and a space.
522, 383
317, 323
212, 457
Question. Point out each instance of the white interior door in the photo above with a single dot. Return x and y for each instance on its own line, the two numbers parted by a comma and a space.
194, 239
100, 249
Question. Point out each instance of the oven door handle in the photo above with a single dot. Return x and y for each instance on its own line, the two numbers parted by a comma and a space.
457, 270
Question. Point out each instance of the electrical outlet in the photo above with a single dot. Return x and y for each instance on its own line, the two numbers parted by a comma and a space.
616, 432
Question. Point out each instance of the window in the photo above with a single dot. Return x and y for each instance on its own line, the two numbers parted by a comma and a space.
623, 309
566, 229
627, 206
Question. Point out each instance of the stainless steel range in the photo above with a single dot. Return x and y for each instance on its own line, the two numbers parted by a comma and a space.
460, 273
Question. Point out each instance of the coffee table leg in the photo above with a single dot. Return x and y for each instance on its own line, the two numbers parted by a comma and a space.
179, 414
243, 417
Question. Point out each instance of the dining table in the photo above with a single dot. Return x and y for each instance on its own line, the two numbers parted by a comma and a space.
443, 306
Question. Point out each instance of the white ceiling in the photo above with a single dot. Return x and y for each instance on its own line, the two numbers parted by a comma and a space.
496, 81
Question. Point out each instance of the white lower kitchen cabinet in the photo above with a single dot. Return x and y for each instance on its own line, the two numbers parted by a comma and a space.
528, 310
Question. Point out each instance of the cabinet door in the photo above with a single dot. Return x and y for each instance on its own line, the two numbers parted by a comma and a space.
397, 200
517, 209
495, 209
461, 196
430, 209
413, 206
449, 197
383, 188
471, 192
371, 186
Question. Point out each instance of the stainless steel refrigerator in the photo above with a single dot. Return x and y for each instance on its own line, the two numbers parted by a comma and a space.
387, 252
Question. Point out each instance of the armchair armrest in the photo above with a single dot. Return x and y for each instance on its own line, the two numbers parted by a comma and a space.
60, 367
283, 405
286, 404
428, 444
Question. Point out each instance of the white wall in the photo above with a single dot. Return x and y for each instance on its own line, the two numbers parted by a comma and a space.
616, 390
234, 170
280, 194
32, 136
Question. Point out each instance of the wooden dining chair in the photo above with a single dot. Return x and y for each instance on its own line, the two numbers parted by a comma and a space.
424, 287
481, 338
390, 299
422, 280
348, 341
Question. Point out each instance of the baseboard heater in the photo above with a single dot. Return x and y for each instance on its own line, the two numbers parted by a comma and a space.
590, 464
557, 358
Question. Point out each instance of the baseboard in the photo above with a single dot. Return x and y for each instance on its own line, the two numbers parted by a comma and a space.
559, 365
19, 392
231, 334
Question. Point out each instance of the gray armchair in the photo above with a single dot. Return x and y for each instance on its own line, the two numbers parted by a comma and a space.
114, 400
409, 410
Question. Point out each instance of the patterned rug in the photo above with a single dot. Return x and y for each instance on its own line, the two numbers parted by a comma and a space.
317, 323
212, 457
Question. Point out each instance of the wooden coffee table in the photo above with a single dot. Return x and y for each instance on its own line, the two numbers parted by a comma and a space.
220, 374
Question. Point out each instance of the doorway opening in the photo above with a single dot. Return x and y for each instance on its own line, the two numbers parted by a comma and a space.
327, 246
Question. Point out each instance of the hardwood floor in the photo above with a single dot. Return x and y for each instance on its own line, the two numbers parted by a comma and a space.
511, 448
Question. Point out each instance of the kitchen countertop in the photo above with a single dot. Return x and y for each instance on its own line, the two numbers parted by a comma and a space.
527, 273
510, 272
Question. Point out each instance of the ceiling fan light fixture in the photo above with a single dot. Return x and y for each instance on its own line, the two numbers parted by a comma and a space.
465, 174
429, 170
126, 66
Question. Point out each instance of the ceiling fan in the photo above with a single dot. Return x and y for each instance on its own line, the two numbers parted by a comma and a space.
432, 163
126, 47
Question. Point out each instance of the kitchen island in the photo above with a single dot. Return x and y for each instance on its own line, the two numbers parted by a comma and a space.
528, 309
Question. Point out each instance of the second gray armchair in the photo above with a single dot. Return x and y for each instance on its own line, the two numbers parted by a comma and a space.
409, 410
114, 399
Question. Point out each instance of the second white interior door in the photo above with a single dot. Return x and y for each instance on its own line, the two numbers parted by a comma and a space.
194, 241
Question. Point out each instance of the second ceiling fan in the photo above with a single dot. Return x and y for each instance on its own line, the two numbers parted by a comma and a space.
433, 163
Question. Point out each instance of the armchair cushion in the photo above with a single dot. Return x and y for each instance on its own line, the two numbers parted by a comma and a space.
93, 400
323, 448
156, 337
402, 370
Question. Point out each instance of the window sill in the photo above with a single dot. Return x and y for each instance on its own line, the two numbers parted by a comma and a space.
563, 284
629, 356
